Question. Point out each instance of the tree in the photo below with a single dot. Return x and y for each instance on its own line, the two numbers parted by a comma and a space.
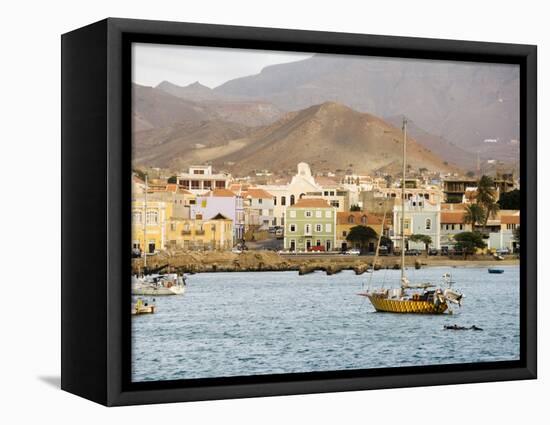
173, 179
486, 197
474, 214
355, 207
510, 200
361, 235
425, 239
517, 234
470, 174
469, 242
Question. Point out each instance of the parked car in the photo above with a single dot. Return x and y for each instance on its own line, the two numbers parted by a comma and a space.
433, 251
317, 249
383, 250
414, 252
503, 251
136, 253
352, 251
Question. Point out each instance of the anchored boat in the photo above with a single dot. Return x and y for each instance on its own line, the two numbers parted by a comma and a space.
142, 307
493, 270
424, 298
158, 284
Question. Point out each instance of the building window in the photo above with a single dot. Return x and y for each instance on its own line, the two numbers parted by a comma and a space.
319, 214
220, 184
136, 217
292, 199
260, 200
283, 200
318, 228
292, 227
318, 242
152, 217
307, 229
292, 213
428, 224
327, 214
207, 184
275, 201
351, 219
308, 214
344, 234
335, 203
461, 227
452, 226
173, 227
328, 227
364, 219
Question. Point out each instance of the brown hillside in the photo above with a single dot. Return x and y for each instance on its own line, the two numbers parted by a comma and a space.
329, 136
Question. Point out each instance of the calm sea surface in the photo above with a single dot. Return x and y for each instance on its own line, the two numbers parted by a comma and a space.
235, 324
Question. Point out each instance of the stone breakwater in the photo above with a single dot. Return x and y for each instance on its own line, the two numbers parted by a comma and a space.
253, 261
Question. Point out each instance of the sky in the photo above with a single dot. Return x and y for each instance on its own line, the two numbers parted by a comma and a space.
183, 65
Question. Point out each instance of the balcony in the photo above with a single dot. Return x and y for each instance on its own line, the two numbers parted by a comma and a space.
199, 232
185, 232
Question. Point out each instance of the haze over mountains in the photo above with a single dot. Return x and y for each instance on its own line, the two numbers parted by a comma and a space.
329, 111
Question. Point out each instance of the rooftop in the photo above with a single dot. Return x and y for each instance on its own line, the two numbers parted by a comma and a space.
311, 203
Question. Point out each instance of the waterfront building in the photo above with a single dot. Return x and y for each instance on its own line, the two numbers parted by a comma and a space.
225, 202
501, 236
310, 223
286, 195
200, 179
455, 188
149, 226
452, 223
258, 209
215, 233
346, 220
422, 216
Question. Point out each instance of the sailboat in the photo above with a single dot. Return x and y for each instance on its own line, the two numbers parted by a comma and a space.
423, 298
155, 283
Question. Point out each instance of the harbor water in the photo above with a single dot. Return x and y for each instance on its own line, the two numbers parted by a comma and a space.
249, 323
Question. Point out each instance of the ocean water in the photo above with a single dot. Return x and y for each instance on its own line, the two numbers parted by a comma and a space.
238, 324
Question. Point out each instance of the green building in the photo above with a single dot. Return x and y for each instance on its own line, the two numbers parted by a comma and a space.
310, 224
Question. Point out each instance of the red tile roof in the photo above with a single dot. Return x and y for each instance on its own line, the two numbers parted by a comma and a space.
222, 193
311, 203
257, 193
452, 217
509, 219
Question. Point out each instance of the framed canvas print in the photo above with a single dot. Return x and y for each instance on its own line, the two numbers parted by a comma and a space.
254, 212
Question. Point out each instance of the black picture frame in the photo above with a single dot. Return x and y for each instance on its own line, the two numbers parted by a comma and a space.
96, 140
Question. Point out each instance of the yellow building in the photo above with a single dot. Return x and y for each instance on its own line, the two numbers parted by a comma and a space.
346, 220
215, 233
149, 227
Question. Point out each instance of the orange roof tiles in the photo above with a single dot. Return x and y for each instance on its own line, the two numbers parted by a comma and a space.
257, 193
509, 219
222, 193
452, 217
311, 203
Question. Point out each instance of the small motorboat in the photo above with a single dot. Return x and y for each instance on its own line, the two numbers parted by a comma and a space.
142, 307
494, 270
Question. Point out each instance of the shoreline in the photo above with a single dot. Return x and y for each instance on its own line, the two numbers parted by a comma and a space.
191, 262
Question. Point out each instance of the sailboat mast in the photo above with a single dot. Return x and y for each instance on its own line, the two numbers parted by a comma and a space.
403, 199
145, 225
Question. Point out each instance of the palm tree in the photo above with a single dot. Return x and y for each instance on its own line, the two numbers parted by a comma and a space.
487, 198
473, 214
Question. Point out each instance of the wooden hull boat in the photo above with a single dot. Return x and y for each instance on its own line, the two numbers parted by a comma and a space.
384, 304
142, 308
495, 271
